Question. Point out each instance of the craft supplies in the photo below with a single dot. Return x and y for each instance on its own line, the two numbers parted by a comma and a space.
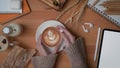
81, 10
12, 30
3, 43
78, 10
18, 57
67, 9
55, 4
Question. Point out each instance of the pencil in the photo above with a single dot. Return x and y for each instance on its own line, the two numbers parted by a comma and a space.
112, 12
97, 43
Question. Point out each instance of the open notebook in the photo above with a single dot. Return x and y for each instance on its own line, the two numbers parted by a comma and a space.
100, 9
109, 56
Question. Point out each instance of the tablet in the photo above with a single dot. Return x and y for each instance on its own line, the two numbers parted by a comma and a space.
10, 6
109, 56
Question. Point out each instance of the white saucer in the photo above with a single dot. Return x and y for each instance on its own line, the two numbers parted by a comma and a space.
46, 24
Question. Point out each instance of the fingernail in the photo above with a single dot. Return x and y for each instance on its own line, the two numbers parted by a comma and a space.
61, 30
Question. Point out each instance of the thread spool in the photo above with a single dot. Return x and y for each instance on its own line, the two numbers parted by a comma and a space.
12, 30
3, 43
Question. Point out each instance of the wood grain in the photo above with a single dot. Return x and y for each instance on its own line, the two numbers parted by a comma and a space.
40, 13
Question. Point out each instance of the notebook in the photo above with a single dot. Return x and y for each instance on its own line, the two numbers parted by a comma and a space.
100, 10
10, 6
109, 56
6, 17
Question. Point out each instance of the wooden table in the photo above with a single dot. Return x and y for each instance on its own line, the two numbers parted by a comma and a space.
41, 13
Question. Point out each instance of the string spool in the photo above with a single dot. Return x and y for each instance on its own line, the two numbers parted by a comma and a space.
12, 30
3, 43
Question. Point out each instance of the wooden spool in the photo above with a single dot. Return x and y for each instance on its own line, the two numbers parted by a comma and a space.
3, 43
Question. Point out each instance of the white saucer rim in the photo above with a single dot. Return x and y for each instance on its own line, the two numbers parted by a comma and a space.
47, 24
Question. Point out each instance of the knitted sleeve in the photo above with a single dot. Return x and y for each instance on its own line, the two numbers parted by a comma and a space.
44, 61
76, 54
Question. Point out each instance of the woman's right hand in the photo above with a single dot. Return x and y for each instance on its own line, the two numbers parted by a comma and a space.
69, 39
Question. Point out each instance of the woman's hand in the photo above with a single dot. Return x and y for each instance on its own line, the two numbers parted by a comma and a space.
69, 39
43, 50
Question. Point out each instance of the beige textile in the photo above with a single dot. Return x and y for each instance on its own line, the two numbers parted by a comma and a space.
18, 58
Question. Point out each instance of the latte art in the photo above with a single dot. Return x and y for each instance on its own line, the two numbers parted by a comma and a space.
51, 36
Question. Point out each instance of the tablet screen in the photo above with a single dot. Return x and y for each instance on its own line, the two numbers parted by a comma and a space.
109, 56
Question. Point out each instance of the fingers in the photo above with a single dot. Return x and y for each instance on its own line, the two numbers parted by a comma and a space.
67, 37
67, 43
43, 50
55, 50
40, 47
67, 34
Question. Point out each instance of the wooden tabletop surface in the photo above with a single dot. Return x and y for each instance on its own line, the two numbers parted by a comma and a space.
41, 13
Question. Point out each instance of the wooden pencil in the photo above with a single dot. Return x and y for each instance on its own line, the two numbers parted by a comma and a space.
112, 7
108, 4
112, 12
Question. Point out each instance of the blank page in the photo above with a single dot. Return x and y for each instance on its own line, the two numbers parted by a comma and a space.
110, 50
10, 6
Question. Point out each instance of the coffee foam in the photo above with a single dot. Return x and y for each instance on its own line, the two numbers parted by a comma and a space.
51, 36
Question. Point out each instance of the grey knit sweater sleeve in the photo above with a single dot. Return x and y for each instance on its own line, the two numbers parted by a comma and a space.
75, 52
44, 61
77, 55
